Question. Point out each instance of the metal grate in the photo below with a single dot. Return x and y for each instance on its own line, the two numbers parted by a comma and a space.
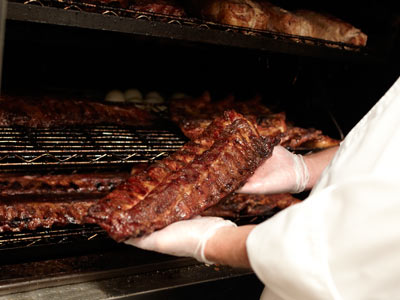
91, 146
13, 240
188, 22
80, 233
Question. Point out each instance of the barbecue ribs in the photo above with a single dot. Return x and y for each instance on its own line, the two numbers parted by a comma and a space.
263, 15
50, 112
194, 178
239, 205
42, 201
60, 184
194, 115
29, 213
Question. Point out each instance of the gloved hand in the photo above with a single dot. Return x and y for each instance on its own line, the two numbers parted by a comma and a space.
184, 238
282, 172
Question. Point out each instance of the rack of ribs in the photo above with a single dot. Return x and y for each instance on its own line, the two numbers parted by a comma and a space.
194, 115
239, 205
29, 213
59, 184
183, 185
28, 202
45, 112
42, 201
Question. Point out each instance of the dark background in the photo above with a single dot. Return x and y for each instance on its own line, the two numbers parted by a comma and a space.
51, 59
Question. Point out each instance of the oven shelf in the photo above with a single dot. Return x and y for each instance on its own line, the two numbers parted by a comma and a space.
179, 29
156, 277
101, 146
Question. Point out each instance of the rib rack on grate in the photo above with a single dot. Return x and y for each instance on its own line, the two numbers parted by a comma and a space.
90, 146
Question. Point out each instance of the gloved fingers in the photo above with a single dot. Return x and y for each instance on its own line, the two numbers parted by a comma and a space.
282, 172
182, 238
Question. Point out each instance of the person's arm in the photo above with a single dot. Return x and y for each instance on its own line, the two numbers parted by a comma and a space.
228, 246
288, 172
317, 162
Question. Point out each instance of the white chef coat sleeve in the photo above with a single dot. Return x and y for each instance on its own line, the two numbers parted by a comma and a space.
343, 241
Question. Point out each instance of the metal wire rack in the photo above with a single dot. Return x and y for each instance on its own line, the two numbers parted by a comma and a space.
12, 240
80, 233
91, 146
112, 10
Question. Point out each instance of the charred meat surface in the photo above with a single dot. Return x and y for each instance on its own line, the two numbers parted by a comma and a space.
165, 7
137, 187
33, 212
237, 205
59, 184
328, 27
263, 15
27, 205
47, 112
230, 155
29, 202
194, 115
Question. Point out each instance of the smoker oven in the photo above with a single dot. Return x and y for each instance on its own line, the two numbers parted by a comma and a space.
73, 49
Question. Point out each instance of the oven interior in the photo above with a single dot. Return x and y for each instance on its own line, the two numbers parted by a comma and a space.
316, 85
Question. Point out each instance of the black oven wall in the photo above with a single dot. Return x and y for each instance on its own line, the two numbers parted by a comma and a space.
46, 59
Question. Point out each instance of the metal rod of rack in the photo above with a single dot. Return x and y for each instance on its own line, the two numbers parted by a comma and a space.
127, 21
183, 21
92, 146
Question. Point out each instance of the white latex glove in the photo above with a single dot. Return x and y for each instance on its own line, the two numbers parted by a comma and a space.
184, 238
282, 172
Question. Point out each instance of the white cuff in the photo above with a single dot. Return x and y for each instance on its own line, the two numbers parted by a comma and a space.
199, 252
301, 172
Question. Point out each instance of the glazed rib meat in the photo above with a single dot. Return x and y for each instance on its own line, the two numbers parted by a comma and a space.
29, 202
203, 107
59, 184
330, 28
33, 201
137, 187
165, 7
41, 201
50, 112
194, 115
263, 15
237, 205
38, 211
218, 163
306, 138
272, 125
